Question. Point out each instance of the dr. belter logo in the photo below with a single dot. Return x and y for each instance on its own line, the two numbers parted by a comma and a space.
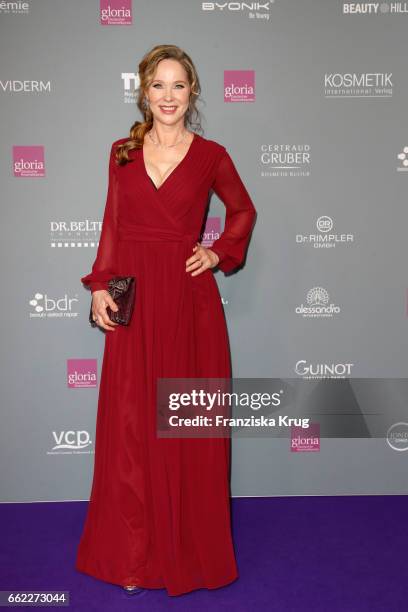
43, 306
318, 305
70, 442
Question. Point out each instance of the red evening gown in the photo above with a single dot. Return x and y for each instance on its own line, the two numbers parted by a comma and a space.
159, 509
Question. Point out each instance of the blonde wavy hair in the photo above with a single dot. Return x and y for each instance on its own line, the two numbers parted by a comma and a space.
146, 71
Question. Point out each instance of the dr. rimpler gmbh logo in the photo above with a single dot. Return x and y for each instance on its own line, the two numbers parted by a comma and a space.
211, 232
82, 373
71, 443
45, 307
305, 440
116, 12
28, 161
318, 305
239, 85
326, 239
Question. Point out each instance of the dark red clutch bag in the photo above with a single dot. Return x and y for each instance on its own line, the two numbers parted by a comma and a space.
122, 290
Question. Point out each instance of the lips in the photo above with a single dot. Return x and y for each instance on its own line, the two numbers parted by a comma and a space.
168, 109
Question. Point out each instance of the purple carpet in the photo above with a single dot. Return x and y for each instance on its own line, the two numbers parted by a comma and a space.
297, 553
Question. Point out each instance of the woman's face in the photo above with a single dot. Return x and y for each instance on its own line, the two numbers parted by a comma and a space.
169, 92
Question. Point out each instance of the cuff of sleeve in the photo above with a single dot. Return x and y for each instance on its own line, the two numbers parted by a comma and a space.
221, 254
97, 286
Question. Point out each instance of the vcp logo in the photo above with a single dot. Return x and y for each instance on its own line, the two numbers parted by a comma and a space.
397, 436
44, 306
70, 440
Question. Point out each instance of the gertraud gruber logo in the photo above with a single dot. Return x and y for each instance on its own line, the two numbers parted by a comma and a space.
403, 158
82, 373
283, 160
116, 12
131, 84
68, 234
324, 240
70, 442
317, 304
322, 370
44, 307
361, 85
374, 8
239, 85
28, 161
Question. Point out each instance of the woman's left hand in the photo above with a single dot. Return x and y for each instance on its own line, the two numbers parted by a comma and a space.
202, 259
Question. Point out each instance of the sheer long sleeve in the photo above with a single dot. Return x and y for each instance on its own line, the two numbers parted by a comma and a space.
104, 266
240, 215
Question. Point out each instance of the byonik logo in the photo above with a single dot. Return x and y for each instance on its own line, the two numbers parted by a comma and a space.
211, 232
285, 160
326, 239
397, 436
403, 159
28, 161
318, 305
25, 86
71, 443
131, 83
81, 373
305, 440
75, 234
361, 85
116, 12
239, 85
253, 10
16, 8
374, 8
322, 370
45, 307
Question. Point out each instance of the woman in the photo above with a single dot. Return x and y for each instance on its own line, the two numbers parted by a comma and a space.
159, 511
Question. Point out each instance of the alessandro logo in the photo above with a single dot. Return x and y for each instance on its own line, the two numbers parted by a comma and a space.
282, 160
326, 238
317, 304
374, 8
358, 85
323, 370
70, 442
75, 234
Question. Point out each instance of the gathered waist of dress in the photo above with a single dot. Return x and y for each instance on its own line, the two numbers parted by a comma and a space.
144, 233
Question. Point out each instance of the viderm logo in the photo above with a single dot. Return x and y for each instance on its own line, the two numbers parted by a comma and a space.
28, 161
239, 85
82, 373
212, 231
116, 12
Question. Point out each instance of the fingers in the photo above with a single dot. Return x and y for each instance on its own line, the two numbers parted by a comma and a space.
202, 260
99, 305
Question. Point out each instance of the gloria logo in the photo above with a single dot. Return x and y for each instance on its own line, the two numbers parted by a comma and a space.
45, 307
81, 373
322, 370
116, 12
239, 85
28, 161
211, 232
305, 440
14, 7
70, 441
282, 160
318, 305
326, 239
361, 85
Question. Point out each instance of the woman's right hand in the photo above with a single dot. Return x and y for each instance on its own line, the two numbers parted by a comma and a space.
100, 300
